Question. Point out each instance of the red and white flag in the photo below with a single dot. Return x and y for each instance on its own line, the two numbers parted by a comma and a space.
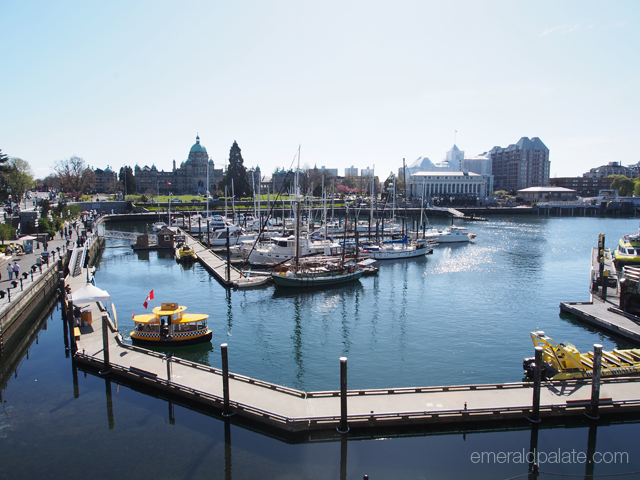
168, 183
146, 302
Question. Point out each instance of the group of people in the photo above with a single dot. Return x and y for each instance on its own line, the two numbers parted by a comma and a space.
12, 270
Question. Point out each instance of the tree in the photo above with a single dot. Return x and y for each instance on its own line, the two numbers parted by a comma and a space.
19, 177
6, 232
238, 173
128, 180
4, 159
624, 185
74, 176
636, 188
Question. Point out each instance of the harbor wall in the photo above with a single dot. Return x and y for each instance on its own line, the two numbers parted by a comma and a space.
29, 305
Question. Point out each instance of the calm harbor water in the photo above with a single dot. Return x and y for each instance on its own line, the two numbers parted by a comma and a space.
461, 315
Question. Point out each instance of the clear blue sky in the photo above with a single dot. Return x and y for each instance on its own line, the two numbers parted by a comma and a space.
354, 82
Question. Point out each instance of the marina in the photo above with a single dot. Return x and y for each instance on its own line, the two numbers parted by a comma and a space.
269, 399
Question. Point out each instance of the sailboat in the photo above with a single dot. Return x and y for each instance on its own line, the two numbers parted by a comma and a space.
314, 272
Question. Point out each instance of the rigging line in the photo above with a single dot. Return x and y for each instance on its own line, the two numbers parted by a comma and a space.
262, 226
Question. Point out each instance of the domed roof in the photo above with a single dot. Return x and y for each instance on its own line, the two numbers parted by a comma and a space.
197, 148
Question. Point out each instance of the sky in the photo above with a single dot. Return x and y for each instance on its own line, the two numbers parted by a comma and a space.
362, 83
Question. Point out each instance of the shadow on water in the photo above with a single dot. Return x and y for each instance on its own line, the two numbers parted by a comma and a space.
621, 342
198, 353
310, 293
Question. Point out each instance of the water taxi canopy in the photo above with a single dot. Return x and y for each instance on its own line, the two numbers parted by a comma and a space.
169, 313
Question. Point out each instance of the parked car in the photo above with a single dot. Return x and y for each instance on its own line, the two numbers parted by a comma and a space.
176, 200
195, 200
153, 201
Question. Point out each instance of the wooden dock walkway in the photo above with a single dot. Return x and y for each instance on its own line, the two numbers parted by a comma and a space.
215, 264
604, 314
293, 410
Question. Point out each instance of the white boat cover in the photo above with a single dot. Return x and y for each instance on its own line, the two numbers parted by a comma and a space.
90, 293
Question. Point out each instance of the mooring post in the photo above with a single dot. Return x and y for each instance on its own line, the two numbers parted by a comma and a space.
595, 384
343, 427
537, 379
168, 359
62, 294
71, 320
105, 345
226, 412
228, 258
605, 280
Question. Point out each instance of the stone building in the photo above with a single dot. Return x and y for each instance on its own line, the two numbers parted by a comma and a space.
190, 178
106, 180
452, 187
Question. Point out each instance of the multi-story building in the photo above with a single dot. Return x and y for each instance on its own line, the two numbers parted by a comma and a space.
351, 171
189, 178
106, 180
452, 187
521, 165
455, 162
585, 186
613, 168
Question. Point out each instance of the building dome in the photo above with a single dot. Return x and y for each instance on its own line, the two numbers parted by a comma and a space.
197, 148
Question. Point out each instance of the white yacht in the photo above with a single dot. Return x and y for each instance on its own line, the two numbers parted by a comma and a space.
282, 249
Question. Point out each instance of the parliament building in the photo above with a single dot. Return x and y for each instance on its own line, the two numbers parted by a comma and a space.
190, 178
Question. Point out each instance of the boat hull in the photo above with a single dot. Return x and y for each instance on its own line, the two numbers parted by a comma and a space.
174, 342
312, 281
400, 253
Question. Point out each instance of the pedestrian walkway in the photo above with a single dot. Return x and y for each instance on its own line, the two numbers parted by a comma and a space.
56, 247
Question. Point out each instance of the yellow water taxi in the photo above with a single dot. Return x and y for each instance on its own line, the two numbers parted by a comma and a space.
628, 251
185, 253
563, 361
169, 326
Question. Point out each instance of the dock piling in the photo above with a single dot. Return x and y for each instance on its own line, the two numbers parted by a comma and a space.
537, 379
343, 427
105, 345
225, 380
71, 320
595, 384
168, 359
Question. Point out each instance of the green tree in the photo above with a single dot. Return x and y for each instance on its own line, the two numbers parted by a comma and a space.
6, 232
19, 177
128, 180
636, 187
238, 173
4, 159
624, 185
45, 207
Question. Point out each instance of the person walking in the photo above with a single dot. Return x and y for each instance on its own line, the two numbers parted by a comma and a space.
10, 270
16, 270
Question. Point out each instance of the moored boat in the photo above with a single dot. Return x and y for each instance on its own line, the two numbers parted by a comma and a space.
185, 253
322, 274
628, 250
563, 361
169, 326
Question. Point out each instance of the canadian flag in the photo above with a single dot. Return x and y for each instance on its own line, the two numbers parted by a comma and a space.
146, 302
168, 183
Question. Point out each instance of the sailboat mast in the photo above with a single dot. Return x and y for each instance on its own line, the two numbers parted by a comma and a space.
298, 214
344, 237
207, 191
406, 217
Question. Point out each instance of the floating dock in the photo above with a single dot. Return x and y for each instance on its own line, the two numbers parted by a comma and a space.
604, 311
293, 410
226, 274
